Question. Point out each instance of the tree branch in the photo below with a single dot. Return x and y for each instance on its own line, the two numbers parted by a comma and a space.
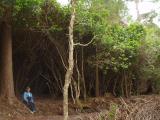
51, 39
84, 45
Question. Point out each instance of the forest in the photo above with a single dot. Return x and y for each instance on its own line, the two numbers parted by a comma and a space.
87, 60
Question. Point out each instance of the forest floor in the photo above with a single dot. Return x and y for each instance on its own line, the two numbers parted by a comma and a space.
102, 108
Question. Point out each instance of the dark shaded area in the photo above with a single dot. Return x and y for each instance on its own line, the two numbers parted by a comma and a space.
0, 45
38, 64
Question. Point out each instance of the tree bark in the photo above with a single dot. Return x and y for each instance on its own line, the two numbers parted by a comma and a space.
114, 86
126, 84
6, 72
69, 71
122, 86
97, 75
83, 79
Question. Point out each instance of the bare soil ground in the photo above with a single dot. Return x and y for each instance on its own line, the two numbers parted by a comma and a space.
134, 108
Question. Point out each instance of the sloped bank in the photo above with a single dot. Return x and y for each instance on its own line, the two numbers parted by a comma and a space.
148, 111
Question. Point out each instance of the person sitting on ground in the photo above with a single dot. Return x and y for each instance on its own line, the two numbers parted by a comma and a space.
28, 100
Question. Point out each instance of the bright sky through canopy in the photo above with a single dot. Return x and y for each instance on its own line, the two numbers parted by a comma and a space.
63, 2
144, 7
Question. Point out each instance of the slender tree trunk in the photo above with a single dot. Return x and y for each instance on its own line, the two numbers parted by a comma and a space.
122, 86
69, 71
130, 83
97, 75
77, 84
126, 84
6, 72
83, 79
114, 86
137, 9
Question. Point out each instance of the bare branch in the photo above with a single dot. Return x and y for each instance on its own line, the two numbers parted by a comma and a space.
125, 104
51, 38
84, 45
61, 58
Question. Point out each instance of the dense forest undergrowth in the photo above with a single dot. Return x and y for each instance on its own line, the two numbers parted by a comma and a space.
90, 52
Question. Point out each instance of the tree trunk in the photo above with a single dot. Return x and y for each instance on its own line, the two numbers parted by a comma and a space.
137, 10
130, 83
6, 72
97, 75
122, 86
83, 79
114, 86
69, 71
126, 84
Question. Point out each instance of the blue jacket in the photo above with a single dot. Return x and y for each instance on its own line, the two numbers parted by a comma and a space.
28, 97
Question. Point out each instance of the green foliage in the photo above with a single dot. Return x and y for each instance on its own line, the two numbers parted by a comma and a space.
89, 16
116, 9
7, 2
150, 68
94, 16
25, 12
112, 111
5, 5
121, 44
40, 14
101, 116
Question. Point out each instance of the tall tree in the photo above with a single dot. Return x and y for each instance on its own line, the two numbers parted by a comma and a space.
6, 71
69, 71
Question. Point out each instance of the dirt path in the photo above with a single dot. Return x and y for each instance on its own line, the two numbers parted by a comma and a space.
81, 116
93, 116
141, 109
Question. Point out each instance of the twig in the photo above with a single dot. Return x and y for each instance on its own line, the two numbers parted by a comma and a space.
124, 103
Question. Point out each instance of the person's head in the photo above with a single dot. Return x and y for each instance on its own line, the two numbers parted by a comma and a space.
28, 89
